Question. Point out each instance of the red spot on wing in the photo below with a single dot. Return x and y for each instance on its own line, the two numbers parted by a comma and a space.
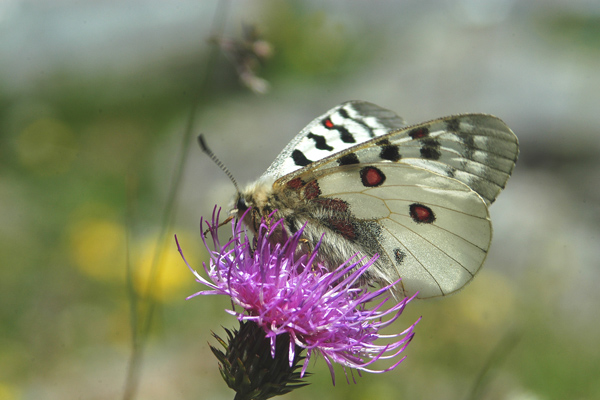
371, 176
296, 183
333, 204
419, 133
312, 190
328, 124
421, 214
343, 227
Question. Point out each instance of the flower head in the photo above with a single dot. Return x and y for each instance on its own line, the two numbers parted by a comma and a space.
321, 311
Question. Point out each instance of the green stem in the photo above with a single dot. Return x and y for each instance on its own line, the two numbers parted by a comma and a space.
145, 314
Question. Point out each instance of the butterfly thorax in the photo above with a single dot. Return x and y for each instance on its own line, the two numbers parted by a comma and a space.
256, 203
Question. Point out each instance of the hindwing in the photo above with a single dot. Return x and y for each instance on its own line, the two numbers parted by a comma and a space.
432, 231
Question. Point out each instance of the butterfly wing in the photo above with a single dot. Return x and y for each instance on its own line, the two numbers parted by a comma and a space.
338, 129
476, 149
430, 230
417, 196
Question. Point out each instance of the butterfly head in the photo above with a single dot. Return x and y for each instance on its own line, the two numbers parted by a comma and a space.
256, 197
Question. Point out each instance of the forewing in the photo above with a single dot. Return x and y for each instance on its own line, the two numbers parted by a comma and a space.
340, 128
476, 149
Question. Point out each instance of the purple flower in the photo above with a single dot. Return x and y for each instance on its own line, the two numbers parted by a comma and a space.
327, 312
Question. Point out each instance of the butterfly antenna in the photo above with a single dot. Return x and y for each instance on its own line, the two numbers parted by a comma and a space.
212, 156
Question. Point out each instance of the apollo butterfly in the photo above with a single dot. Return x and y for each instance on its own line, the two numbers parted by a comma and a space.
368, 183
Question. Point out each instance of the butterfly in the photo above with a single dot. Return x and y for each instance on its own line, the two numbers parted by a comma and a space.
367, 183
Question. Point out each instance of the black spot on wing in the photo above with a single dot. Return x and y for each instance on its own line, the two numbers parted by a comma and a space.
389, 151
452, 125
345, 135
300, 159
320, 142
348, 159
399, 256
343, 113
430, 149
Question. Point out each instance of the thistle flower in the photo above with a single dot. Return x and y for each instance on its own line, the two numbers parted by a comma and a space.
296, 300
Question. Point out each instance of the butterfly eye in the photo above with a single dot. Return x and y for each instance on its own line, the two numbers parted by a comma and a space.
241, 204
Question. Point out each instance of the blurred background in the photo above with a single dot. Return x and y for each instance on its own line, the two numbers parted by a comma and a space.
95, 98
